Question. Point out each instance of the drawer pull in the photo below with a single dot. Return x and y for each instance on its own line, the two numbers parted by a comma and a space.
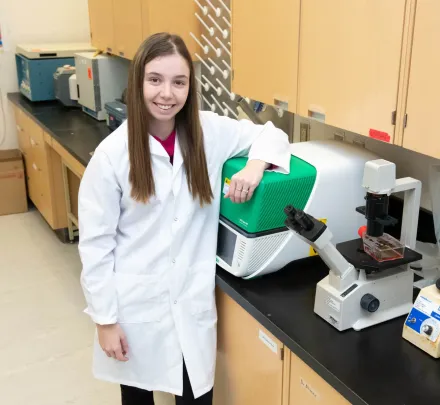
19, 129
33, 143
35, 167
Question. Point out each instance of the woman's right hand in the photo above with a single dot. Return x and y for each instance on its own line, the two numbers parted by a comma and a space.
113, 341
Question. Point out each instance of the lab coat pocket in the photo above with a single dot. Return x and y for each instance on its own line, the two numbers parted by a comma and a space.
202, 289
139, 298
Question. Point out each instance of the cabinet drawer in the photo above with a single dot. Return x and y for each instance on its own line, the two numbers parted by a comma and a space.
18, 114
23, 138
38, 154
308, 388
34, 131
39, 188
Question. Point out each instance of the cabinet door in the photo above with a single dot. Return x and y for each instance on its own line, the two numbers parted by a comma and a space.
173, 16
249, 364
128, 27
101, 24
265, 50
22, 136
349, 63
39, 171
308, 388
423, 102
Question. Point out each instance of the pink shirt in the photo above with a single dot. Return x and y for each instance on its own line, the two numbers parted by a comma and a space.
168, 144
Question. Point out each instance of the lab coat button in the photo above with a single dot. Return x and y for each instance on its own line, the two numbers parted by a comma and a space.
175, 219
175, 302
174, 261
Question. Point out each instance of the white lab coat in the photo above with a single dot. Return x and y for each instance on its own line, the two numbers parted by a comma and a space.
151, 267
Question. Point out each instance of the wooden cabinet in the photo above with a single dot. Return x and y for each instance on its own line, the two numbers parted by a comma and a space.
43, 187
349, 63
120, 26
37, 170
102, 25
253, 366
249, 359
265, 51
308, 388
175, 17
127, 27
423, 99
23, 139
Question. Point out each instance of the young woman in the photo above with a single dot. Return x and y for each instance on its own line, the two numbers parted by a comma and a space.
148, 218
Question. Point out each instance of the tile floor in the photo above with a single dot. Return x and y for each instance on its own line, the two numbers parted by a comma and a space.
45, 339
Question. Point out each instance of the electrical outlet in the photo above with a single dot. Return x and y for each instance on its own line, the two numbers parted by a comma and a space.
304, 132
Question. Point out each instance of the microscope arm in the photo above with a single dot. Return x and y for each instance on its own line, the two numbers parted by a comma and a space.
332, 258
317, 235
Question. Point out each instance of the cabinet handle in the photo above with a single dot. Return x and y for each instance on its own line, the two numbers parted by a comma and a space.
33, 143
35, 167
19, 129
121, 54
109, 50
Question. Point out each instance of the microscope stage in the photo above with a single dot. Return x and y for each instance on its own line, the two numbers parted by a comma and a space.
353, 252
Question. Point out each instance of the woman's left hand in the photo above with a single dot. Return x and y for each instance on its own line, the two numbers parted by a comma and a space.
244, 183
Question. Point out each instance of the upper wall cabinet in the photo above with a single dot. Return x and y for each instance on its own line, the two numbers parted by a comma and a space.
101, 24
128, 27
120, 26
349, 63
423, 102
174, 16
265, 51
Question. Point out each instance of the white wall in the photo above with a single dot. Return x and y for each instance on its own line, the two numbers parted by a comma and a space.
408, 163
34, 21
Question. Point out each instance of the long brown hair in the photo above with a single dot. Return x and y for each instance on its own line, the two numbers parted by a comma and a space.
189, 130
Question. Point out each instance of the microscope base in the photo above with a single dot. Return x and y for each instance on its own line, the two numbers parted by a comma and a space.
356, 307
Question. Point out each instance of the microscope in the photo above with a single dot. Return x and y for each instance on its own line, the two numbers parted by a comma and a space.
369, 278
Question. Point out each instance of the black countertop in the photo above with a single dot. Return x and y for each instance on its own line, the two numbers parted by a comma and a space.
375, 366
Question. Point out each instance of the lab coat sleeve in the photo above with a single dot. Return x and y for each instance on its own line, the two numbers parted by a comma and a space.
98, 215
244, 138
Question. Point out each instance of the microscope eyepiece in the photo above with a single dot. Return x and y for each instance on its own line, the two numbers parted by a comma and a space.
303, 220
290, 210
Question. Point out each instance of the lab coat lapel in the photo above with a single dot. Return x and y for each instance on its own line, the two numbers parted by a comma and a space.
156, 148
177, 166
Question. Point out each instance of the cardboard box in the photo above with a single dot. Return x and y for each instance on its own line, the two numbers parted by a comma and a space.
13, 197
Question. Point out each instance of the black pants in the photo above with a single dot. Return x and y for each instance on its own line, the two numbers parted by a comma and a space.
136, 396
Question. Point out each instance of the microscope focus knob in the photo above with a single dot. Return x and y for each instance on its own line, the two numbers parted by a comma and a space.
370, 303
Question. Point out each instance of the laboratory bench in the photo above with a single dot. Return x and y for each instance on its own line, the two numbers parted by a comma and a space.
272, 348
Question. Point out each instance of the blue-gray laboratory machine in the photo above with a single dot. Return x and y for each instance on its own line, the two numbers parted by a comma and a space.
36, 64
